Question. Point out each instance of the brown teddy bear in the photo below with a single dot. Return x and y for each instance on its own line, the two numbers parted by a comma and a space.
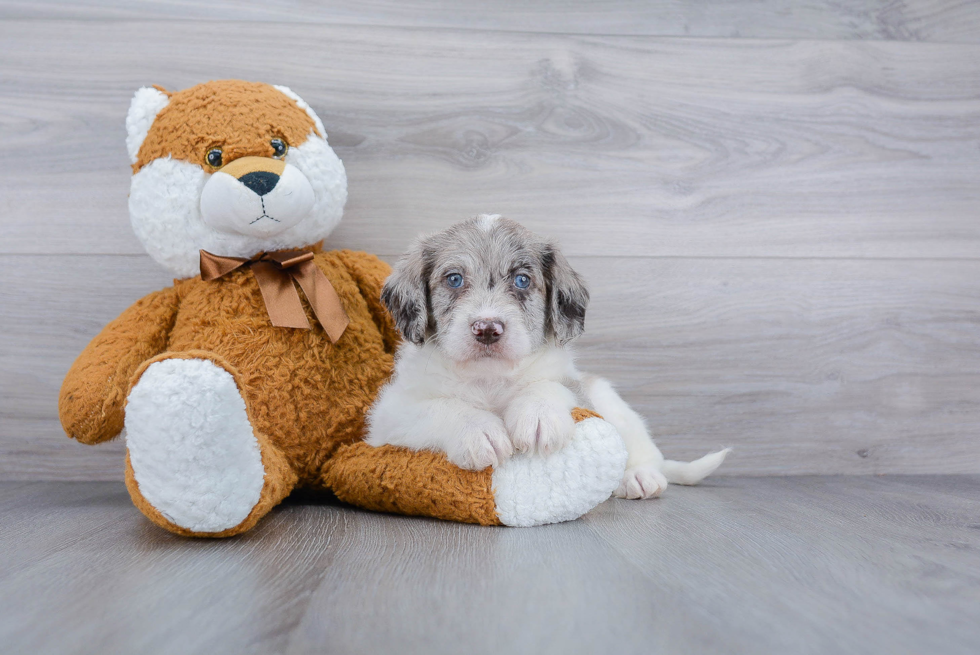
234, 386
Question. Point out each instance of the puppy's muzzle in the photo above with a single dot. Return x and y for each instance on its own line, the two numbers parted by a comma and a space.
487, 331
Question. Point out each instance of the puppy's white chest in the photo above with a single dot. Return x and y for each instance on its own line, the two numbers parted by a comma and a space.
489, 393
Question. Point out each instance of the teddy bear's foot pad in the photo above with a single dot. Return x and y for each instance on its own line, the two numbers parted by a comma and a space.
193, 453
533, 490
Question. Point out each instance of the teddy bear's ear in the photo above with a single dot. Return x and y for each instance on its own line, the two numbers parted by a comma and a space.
143, 110
286, 91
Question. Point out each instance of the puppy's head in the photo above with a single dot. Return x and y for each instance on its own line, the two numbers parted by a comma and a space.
486, 288
231, 167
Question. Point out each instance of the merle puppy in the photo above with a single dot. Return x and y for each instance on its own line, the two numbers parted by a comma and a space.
488, 309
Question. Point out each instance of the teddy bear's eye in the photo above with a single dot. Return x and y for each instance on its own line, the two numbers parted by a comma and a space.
279, 148
214, 157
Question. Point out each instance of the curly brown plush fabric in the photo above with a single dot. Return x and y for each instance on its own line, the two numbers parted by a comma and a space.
309, 395
94, 391
240, 117
398, 480
580, 414
305, 396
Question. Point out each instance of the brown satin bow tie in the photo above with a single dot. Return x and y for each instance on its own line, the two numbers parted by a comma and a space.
275, 272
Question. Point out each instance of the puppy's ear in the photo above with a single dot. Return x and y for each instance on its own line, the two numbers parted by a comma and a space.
406, 293
567, 296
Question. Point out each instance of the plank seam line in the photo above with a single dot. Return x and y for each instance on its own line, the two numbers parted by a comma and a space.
437, 28
579, 256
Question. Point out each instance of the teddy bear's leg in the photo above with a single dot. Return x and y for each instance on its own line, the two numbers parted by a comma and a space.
194, 463
525, 490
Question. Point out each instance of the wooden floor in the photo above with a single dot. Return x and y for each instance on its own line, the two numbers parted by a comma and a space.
828, 564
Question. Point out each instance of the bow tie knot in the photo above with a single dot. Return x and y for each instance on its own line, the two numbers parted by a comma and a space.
275, 272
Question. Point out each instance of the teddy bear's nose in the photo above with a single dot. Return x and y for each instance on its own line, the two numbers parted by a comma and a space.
261, 182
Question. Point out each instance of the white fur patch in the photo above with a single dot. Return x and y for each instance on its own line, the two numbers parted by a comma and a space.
534, 490
146, 104
286, 91
165, 210
227, 205
487, 221
193, 452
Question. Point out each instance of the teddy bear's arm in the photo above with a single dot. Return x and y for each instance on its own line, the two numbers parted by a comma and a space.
370, 273
94, 391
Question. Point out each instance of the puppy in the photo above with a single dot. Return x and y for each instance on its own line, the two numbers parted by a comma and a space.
487, 310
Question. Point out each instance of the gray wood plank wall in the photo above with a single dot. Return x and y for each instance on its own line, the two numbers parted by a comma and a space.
946, 21
777, 213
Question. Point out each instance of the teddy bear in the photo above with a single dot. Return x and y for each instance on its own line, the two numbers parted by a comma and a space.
252, 375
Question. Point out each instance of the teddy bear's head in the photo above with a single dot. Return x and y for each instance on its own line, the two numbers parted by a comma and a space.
231, 167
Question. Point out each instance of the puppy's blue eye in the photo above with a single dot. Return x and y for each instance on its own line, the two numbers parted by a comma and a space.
455, 280
522, 281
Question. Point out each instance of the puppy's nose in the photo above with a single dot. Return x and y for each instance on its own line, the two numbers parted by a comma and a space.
487, 331
261, 182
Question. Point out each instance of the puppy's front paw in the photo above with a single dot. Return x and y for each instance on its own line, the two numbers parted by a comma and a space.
483, 442
643, 481
538, 426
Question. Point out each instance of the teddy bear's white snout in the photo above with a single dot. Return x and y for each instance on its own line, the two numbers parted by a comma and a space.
258, 203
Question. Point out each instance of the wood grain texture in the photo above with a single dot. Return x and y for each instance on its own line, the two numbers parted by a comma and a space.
442, 588
633, 146
916, 20
739, 565
780, 234
813, 565
52, 307
84, 572
804, 366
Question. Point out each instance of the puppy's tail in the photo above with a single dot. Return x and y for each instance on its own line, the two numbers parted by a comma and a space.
690, 473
